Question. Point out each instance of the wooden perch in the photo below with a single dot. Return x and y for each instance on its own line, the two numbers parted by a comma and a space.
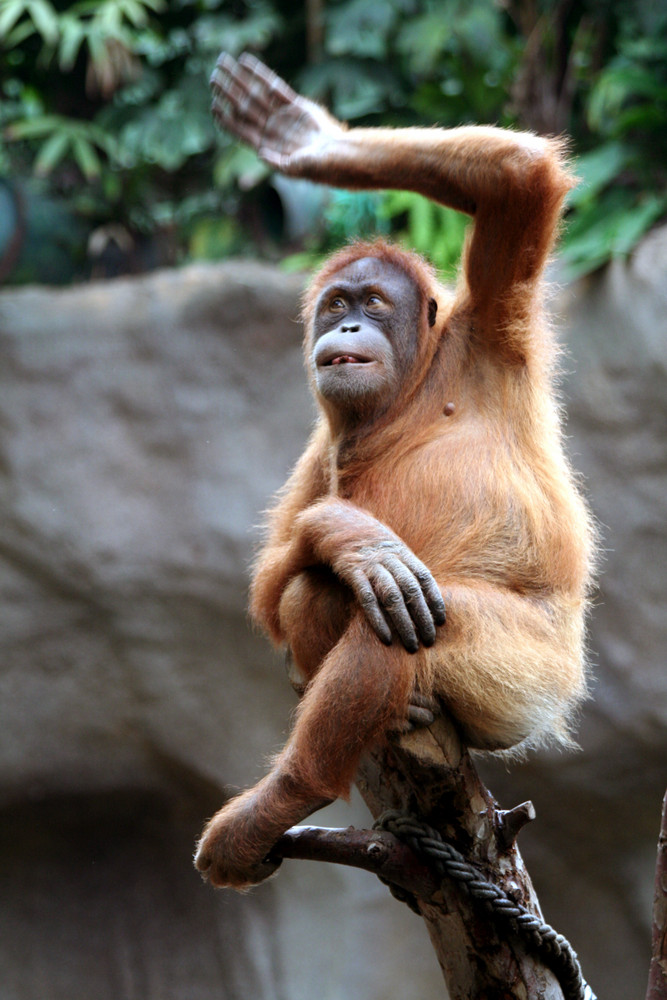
375, 851
428, 774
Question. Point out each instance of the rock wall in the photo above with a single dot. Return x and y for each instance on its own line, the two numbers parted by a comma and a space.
143, 426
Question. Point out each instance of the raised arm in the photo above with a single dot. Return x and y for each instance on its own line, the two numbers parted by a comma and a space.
513, 183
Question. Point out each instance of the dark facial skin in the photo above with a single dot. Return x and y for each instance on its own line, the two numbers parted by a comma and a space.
364, 336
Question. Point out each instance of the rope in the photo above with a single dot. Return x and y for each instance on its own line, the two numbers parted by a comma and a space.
555, 950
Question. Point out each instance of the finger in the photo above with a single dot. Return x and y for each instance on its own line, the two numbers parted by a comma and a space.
420, 717
242, 100
229, 74
393, 604
227, 120
220, 82
262, 92
225, 68
365, 595
228, 81
414, 598
265, 93
228, 92
430, 588
235, 104
273, 83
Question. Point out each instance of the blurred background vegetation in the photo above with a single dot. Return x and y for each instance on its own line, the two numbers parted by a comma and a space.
110, 163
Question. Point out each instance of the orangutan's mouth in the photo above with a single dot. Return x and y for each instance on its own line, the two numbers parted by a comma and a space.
346, 359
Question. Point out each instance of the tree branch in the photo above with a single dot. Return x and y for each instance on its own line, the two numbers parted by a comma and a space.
657, 977
375, 851
429, 774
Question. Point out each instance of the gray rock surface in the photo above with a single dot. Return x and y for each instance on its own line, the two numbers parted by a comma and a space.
592, 850
144, 424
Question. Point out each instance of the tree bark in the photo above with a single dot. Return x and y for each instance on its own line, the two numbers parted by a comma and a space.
657, 977
428, 774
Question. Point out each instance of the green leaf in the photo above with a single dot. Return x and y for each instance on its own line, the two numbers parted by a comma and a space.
136, 11
239, 164
132, 11
619, 85
32, 128
609, 227
633, 226
16, 37
432, 230
305, 260
72, 34
360, 28
213, 239
51, 153
45, 19
11, 11
597, 169
424, 38
97, 45
421, 227
86, 157
637, 81
642, 117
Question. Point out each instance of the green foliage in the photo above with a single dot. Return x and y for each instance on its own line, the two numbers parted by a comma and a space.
114, 93
419, 224
106, 102
60, 138
103, 28
609, 228
623, 189
430, 229
608, 215
350, 214
466, 61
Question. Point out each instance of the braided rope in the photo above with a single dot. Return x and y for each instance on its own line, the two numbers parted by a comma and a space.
555, 950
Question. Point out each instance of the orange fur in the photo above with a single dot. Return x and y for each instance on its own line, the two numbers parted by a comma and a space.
483, 496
